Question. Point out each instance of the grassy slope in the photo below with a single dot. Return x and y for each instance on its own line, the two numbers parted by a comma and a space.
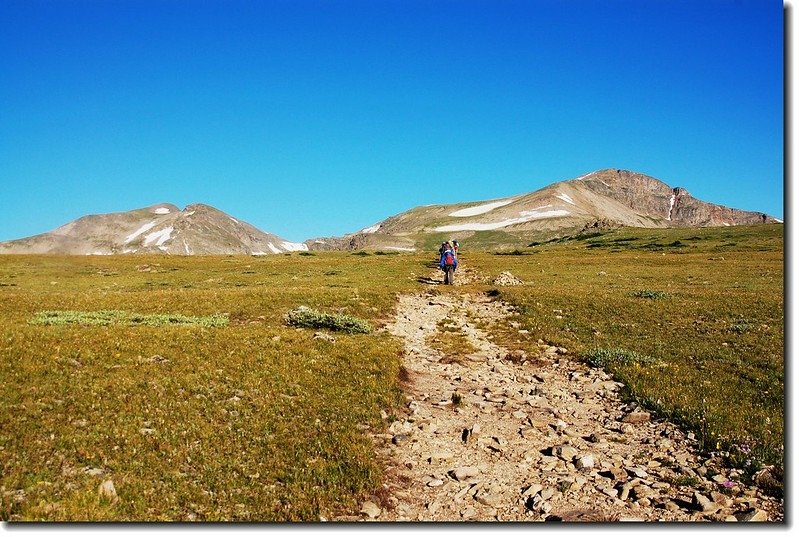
716, 335
257, 420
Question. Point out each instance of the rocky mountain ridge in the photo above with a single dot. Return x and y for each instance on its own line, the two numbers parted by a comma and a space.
612, 197
198, 229
618, 197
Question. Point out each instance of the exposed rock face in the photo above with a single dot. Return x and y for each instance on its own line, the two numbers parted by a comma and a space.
196, 230
652, 197
596, 201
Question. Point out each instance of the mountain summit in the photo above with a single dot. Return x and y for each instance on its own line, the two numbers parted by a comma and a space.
164, 228
606, 197
603, 198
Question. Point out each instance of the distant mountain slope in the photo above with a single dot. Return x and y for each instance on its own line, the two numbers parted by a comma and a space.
616, 197
196, 230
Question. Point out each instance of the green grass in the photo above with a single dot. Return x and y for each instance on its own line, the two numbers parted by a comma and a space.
108, 317
309, 318
703, 306
256, 420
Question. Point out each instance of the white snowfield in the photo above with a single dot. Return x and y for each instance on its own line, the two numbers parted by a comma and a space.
481, 209
275, 249
524, 216
294, 246
139, 231
671, 206
162, 210
566, 198
159, 237
400, 249
370, 229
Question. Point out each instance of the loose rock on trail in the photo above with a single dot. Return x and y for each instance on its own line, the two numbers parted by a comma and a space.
495, 435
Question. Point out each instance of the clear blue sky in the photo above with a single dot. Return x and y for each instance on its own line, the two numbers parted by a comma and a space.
312, 118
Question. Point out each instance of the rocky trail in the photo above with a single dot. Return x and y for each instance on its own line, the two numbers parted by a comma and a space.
495, 435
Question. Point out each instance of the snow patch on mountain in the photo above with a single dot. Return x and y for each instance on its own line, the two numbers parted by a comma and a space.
294, 246
481, 209
162, 210
275, 249
370, 229
145, 227
671, 206
524, 216
566, 198
159, 237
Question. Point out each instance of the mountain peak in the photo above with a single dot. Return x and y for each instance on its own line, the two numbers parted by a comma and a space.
160, 228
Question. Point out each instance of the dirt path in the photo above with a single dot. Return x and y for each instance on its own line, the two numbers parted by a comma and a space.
492, 435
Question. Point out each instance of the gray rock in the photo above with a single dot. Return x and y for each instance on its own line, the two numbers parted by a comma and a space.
532, 490
370, 509
565, 452
108, 491
491, 500
462, 473
399, 439
440, 456
704, 504
752, 515
468, 513
637, 472
609, 491
636, 417
324, 337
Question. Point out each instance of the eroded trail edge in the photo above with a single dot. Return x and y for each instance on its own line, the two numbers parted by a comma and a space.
499, 436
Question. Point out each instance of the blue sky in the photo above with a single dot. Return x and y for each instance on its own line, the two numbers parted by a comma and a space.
312, 118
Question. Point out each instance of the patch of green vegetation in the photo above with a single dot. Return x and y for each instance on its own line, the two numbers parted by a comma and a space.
647, 293
309, 318
611, 358
515, 252
109, 317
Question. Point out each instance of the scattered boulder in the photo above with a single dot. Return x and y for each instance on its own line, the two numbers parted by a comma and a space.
370, 509
107, 491
507, 279
462, 473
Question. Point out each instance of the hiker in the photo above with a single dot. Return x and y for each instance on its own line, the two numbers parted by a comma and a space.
448, 262
455, 246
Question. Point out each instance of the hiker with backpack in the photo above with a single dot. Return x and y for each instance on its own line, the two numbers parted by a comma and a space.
448, 262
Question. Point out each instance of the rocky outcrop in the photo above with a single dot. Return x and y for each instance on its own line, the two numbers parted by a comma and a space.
674, 206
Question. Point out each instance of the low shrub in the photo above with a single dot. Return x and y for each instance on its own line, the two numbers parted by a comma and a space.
118, 317
611, 357
309, 318
646, 293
